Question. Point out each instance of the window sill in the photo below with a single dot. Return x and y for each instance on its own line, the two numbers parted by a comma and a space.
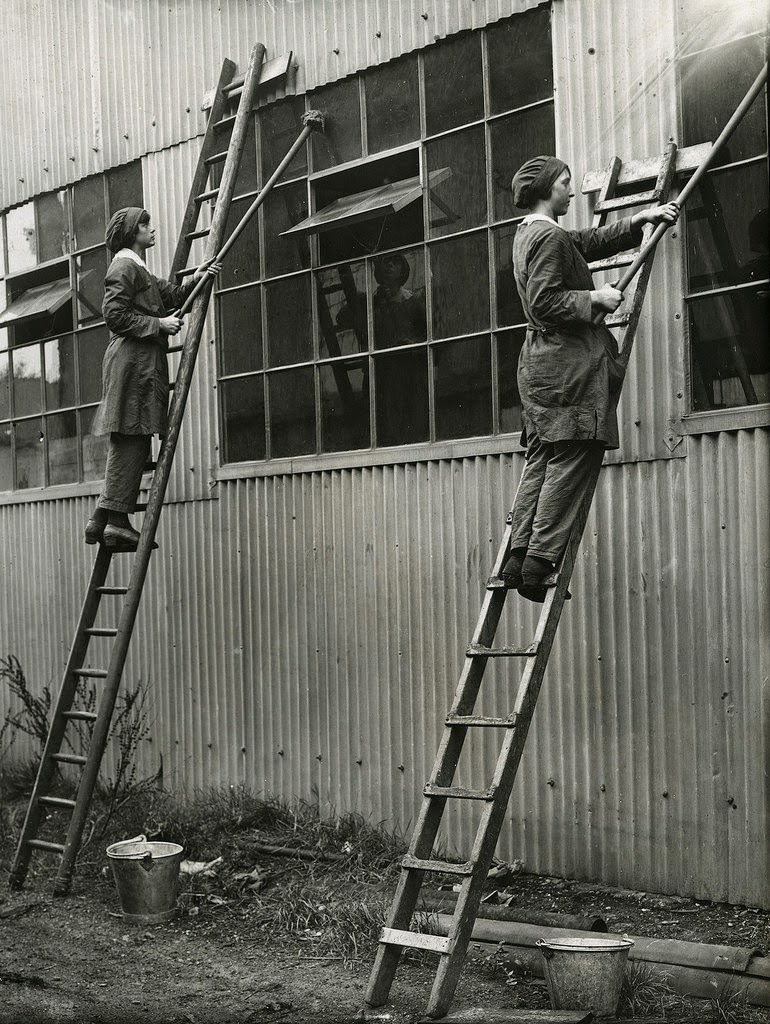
713, 421
54, 493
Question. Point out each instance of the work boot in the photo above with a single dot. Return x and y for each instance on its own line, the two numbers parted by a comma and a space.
534, 573
119, 534
511, 571
95, 526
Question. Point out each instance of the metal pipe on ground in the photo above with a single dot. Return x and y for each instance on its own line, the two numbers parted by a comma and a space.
445, 902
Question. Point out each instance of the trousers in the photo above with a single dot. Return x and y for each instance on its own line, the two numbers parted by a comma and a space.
126, 459
551, 489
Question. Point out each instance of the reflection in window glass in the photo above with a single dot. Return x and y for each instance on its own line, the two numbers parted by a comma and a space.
241, 264
292, 412
460, 285
243, 418
91, 348
509, 345
27, 373
457, 193
22, 243
345, 405
6, 457
340, 140
53, 225
88, 212
701, 25
91, 268
515, 140
399, 299
280, 124
342, 317
284, 208
240, 331
462, 375
392, 105
94, 447
5, 393
289, 321
124, 187
59, 356
520, 64
62, 437
401, 396
509, 308
2, 245
30, 451
454, 93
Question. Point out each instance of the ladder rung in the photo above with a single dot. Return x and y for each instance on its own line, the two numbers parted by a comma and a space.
225, 122
206, 195
440, 867
458, 793
216, 158
415, 940
69, 758
619, 320
56, 801
200, 233
91, 673
479, 651
43, 844
150, 467
481, 722
185, 272
495, 583
112, 590
82, 716
621, 202
613, 262
140, 506
100, 631
175, 348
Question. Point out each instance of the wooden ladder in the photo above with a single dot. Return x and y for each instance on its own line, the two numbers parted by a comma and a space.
42, 801
472, 874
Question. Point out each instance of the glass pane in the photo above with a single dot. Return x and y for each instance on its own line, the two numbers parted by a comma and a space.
457, 186
284, 208
27, 373
59, 357
53, 225
707, 24
515, 140
730, 354
460, 285
509, 308
345, 405
2, 245
401, 397
241, 264
509, 345
243, 418
91, 268
3, 304
342, 309
713, 84
246, 179
454, 93
392, 105
462, 379
240, 331
399, 299
520, 62
62, 433
280, 125
125, 187
5, 386
89, 212
292, 412
289, 321
91, 348
340, 140
94, 447
30, 450
43, 326
6, 457
22, 244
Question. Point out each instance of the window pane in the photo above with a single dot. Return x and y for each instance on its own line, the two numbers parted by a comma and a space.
289, 321
713, 84
91, 268
62, 431
340, 140
342, 309
3, 304
89, 212
243, 418
27, 373
515, 140
509, 346
702, 25
457, 194
240, 331
392, 105
53, 225
124, 187
91, 348
401, 397
730, 354
22, 244
241, 264
520, 63
29, 454
292, 412
246, 179
460, 285
94, 447
509, 308
345, 405
462, 377
454, 93
284, 208
6, 457
280, 125
2, 245
5, 387
399, 299
727, 229
60, 372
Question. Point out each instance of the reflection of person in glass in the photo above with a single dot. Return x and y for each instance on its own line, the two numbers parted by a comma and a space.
135, 386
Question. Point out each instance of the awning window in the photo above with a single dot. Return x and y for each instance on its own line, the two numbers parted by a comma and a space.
42, 300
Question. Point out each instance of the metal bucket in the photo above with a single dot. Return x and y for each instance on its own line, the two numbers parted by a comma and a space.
146, 875
585, 974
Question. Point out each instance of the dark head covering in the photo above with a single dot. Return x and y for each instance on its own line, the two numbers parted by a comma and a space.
395, 258
534, 179
121, 231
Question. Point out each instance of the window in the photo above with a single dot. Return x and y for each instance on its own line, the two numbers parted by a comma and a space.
378, 308
52, 335
726, 220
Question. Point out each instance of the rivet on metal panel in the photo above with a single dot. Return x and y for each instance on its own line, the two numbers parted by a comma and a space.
336, 50
280, 753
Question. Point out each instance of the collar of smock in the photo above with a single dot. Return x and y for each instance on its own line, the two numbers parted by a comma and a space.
129, 254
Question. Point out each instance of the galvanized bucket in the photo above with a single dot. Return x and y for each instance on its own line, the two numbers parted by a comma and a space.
146, 875
585, 974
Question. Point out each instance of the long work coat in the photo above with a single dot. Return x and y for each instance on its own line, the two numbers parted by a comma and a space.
569, 374
134, 372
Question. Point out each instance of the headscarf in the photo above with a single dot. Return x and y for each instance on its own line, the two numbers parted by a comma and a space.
121, 231
534, 179
405, 269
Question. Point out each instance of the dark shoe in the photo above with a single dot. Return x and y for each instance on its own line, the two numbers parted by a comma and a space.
121, 538
510, 575
537, 575
94, 531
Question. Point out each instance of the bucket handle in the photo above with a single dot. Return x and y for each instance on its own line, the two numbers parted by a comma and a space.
126, 842
545, 949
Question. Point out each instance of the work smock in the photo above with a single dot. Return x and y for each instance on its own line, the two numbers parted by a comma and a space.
569, 374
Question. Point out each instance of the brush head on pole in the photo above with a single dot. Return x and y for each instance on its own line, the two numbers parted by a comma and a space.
313, 119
